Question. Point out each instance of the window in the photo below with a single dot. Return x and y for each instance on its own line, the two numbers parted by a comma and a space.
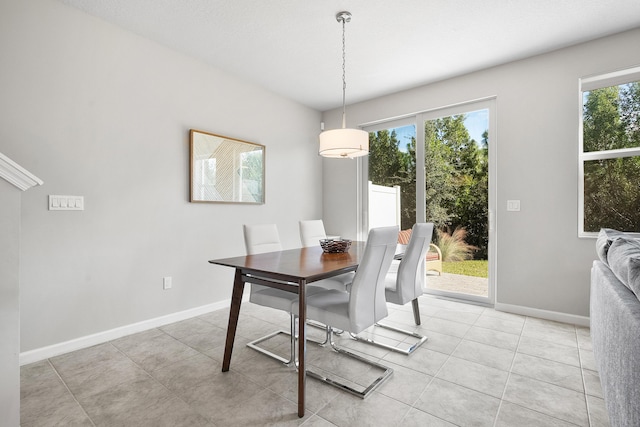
609, 165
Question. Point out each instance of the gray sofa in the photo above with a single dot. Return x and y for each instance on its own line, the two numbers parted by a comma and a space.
615, 324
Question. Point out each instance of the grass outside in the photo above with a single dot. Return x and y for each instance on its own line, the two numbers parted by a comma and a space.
477, 268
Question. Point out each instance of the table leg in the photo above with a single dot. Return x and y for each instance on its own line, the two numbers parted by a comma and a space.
234, 313
302, 344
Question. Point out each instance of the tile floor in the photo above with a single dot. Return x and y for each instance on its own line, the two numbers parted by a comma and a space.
479, 367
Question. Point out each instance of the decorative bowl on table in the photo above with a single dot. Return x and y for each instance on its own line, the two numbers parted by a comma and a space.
336, 246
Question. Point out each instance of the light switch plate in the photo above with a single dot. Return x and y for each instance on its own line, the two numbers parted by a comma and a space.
513, 205
66, 203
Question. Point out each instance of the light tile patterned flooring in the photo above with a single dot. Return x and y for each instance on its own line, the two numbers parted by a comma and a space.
479, 367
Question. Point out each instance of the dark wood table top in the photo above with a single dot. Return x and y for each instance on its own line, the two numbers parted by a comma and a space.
309, 263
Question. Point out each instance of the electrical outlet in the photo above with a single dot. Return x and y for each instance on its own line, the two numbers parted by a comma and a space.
166, 283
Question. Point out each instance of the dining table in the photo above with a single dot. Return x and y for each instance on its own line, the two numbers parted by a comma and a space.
290, 270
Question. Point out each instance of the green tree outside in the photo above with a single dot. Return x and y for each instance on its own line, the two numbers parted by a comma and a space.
456, 171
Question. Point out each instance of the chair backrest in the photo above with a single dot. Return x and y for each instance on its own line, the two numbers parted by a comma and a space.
260, 238
410, 276
311, 231
367, 303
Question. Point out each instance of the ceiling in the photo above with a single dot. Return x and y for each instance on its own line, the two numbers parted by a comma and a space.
293, 47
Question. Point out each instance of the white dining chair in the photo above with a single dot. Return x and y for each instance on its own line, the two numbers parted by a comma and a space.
311, 232
261, 238
361, 307
406, 284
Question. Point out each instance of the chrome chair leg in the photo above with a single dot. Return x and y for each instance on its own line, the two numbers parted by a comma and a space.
421, 340
292, 339
323, 326
292, 361
316, 324
368, 389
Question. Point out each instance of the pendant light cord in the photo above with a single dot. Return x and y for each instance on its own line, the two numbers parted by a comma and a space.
344, 79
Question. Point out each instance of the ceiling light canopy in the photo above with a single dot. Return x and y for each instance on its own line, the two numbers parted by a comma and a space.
344, 143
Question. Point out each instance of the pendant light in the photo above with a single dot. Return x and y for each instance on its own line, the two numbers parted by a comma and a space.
344, 143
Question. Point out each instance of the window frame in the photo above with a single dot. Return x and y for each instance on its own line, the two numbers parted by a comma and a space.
586, 84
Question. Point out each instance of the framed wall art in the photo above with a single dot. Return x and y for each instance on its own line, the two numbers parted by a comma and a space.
225, 170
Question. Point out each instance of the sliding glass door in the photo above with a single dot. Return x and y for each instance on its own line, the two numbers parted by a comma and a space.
443, 174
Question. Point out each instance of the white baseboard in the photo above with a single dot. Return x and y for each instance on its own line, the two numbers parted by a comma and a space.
43, 353
543, 314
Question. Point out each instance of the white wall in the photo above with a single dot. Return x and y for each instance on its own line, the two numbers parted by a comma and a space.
541, 263
9, 303
102, 113
340, 195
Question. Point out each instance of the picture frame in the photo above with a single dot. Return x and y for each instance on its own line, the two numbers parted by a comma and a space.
225, 170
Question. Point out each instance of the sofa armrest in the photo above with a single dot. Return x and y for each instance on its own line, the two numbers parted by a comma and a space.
615, 334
